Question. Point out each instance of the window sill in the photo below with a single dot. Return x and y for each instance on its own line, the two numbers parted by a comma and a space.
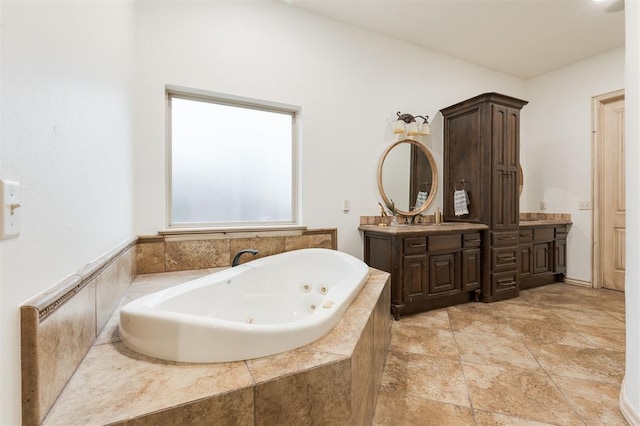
175, 234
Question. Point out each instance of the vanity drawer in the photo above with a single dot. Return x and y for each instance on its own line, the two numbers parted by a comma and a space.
504, 282
526, 235
415, 245
561, 233
471, 240
445, 242
543, 234
504, 259
504, 238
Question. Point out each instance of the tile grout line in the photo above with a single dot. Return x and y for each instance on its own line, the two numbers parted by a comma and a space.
464, 376
562, 392
524, 342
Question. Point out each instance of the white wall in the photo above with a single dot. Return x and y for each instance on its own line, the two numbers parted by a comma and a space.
348, 82
632, 146
67, 138
67, 114
556, 146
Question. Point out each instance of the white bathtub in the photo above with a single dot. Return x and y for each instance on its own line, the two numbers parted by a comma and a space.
262, 307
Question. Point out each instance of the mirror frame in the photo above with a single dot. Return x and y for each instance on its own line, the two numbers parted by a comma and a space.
434, 173
521, 176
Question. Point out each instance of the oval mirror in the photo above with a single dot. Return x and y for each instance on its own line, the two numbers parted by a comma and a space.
407, 175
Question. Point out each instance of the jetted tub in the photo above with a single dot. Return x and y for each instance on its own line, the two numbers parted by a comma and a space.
262, 307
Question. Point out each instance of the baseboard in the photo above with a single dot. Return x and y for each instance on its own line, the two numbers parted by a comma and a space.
629, 413
575, 281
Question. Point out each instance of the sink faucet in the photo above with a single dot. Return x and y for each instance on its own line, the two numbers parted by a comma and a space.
236, 258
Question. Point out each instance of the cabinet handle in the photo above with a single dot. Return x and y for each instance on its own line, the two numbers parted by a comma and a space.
474, 240
506, 257
417, 245
507, 281
506, 238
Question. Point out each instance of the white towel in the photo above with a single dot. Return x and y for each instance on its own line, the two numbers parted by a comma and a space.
420, 199
460, 202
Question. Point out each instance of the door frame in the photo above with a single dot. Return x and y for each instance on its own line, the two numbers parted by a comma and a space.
597, 155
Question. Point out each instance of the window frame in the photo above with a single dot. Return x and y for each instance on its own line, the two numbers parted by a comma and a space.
248, 103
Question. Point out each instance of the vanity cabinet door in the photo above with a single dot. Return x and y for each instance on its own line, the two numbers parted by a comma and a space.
560, 250
471, 269
525, 250
505, 146
541, 258
526, 261
442, 273
414, 278
560, 257
543, 249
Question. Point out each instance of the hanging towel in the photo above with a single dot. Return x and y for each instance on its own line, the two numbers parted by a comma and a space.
460, 202
420, 200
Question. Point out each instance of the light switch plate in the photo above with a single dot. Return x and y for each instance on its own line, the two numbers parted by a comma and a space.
10, 212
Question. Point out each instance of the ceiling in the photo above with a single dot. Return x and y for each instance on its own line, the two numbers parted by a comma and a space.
522, 38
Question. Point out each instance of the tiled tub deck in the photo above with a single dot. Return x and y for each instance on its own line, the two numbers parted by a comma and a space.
334, 380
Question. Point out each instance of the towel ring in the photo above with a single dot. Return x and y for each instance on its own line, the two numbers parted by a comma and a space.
461, 181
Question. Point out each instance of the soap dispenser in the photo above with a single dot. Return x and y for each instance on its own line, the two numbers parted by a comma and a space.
438, 216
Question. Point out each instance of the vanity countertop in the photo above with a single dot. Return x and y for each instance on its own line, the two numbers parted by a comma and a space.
544, 222
444, 227
431, 228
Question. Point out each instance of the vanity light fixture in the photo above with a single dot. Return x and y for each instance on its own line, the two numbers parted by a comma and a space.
406, 123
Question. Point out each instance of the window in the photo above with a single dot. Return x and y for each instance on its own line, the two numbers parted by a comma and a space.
232, 161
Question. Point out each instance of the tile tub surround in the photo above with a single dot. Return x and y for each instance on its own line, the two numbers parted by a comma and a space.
167, 253
331, 381
59, 326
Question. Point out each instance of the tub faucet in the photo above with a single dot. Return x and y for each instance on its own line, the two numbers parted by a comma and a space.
236, 258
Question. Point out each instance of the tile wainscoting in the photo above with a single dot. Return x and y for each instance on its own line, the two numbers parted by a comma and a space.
59, 326
169, 253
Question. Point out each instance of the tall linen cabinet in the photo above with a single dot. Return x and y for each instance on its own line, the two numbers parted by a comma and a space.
482, 157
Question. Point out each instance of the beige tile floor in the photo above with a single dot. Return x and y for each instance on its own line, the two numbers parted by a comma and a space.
554, 355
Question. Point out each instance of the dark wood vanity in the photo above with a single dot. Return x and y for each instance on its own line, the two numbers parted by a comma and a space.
431, 266
542, 252
487, 254
438, 265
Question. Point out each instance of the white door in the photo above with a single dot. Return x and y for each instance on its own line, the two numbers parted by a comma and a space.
613, 190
